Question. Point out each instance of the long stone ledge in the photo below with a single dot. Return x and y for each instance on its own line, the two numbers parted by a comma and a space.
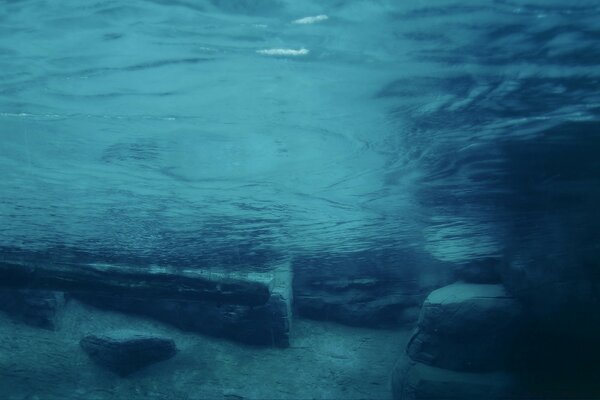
140, 282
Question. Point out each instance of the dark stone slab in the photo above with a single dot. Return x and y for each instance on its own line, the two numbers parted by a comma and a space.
354, 290
126, 352
266, 325
149, 282
357, 308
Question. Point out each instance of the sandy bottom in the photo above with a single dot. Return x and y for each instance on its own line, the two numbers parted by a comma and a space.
326, 361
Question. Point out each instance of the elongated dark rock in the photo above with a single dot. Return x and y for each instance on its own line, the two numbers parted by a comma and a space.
150, 282
264, 325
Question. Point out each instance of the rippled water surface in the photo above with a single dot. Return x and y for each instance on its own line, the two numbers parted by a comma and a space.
236, 132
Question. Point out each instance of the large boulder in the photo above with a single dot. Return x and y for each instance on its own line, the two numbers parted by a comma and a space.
125, 352
467, 327
416, 381
38, 308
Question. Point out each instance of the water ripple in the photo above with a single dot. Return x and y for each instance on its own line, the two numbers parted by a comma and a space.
239, 132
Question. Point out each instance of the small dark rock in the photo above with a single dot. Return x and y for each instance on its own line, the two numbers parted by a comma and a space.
125, 352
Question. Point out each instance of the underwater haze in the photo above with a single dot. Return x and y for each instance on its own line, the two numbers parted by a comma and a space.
177, 131
384, 147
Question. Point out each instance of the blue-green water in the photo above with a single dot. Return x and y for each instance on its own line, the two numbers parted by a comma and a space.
162, 130
365, 136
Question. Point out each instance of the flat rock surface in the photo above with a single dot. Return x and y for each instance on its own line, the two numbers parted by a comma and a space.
267, 324
459, 292
325, 361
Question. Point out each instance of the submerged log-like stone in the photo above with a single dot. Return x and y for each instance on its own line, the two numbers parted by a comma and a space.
265, 325
138, 282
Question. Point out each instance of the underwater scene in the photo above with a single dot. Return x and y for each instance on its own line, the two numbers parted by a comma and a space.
310, 199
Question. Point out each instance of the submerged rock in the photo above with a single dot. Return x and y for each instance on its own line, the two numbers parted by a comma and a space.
356, 308
125, 352
356, 292
266, 325
416, 381
467, 327
34, 307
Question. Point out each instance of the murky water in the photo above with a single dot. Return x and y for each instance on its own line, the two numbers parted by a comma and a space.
203, 132
366, 149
